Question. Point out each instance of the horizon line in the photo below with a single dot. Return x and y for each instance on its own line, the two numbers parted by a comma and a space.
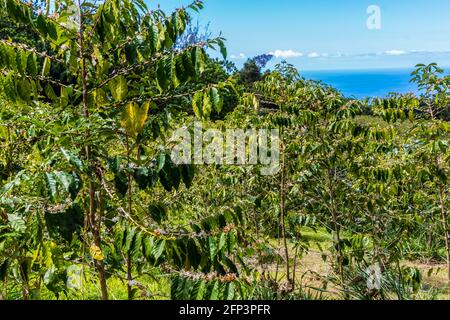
369, 69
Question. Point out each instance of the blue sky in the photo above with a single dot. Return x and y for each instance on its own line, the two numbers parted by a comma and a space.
330, 34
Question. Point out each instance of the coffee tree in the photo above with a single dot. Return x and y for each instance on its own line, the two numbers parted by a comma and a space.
107, 69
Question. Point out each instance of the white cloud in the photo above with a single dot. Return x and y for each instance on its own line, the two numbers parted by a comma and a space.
395, 52
313, 55
286, 54
240, 56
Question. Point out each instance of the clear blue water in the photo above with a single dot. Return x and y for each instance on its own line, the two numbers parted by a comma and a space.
366, 83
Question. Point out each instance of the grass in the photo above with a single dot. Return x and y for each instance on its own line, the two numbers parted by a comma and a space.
149, 289
312, 268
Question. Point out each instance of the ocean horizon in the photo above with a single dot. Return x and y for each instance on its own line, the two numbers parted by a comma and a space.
366, 83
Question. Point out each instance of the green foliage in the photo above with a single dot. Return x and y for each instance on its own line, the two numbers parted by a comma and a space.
250, 73
88, 190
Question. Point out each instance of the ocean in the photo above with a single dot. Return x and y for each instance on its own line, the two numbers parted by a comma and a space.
366, 83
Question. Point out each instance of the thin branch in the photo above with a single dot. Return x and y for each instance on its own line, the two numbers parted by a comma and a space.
128, 69
24, 47
40, 78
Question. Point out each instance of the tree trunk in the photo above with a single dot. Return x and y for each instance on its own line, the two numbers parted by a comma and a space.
94, 225
129, 277
446, 235
337, 231
294, 271
130, 209
283, 211
25, 284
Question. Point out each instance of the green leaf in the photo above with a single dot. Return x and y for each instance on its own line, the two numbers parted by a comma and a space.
199, 59
24, 89
153, 37
207, 106
134, 118
51, 184
162, 72
32, 69
41, 25
169, 175
212, 245
197, 104
158, 248
230, 291
4, 270
119, 88
114, 164
64, 96
73, 159
161, 161
148, 248
51, 30
121, 184
141, 176
21, 61
129, 239
70, 182
9, 88
50, 93
214, 291
165, 180
46, 67
216, 100
8, 57
223, 48
173, 73
65, 179
222, 241
136, 250
174, 175
187, 174
198, 291
187, 65
194, 254
17, 223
